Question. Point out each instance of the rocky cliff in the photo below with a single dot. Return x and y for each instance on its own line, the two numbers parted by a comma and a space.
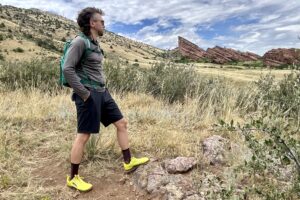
217, 54
279, 57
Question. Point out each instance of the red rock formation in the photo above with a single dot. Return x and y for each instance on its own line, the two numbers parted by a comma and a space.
216, 55
281, 56
224, 55
189, 49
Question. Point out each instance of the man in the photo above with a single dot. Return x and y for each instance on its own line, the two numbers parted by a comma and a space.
93, 101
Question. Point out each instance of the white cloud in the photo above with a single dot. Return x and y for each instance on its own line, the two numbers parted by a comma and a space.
275, 22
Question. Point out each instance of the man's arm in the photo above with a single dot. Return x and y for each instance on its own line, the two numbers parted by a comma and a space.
73, 56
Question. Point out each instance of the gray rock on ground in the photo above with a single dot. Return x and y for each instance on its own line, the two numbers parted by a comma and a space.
179, 164
214, 149
157, 181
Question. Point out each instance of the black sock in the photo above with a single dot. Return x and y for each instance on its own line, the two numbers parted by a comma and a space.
126, 155
74, 170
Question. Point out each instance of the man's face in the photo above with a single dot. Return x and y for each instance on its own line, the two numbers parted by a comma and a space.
97, 23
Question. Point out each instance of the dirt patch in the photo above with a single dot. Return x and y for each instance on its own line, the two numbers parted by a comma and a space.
51, 175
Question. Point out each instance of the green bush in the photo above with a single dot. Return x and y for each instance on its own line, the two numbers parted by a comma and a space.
2, 57
161, 80
18, 50
47, 44
28, 36
122, 77
257, 64
36, 73
283, 96
171, 82
204, 60
183, 59
271, 131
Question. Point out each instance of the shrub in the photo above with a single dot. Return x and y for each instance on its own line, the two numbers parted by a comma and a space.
18, 50
172, 82
182, 60
255, 64
271, 133
123, 78
42, 74
47, 44
28, 35
2, 57
284, 96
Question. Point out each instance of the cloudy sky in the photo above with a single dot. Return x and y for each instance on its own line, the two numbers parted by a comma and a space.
246, 25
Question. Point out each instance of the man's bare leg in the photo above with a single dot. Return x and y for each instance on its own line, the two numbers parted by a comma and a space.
123, 140
77, 152
122, 134
130, 163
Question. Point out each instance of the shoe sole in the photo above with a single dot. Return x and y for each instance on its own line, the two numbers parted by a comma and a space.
131, 170
135, 167
80, 190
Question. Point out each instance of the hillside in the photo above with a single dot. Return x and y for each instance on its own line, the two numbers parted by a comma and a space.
29, 33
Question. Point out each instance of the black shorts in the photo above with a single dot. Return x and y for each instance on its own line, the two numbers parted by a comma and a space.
99, 107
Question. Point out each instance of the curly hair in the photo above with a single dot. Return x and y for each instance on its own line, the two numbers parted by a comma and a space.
83, 19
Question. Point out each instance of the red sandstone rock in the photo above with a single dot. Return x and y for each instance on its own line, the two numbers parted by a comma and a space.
281, 56
224, 55
189, 49
216, 55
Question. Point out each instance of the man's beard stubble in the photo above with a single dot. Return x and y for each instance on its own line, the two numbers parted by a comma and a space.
101, 33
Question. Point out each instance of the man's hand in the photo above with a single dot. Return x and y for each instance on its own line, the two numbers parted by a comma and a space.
87, 98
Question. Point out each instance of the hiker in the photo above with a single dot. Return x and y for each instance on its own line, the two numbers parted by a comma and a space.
83, 71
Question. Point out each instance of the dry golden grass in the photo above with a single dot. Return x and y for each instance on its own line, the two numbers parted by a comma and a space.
130, 55
37, 130
31, 50
239, 75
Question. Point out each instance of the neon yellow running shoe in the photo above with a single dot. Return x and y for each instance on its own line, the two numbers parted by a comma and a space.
134, 163
78, 183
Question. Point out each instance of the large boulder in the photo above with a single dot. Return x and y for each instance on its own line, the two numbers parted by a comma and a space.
221, 151
159, 183
214, 149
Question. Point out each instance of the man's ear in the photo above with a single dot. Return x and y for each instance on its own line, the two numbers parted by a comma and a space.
92, 23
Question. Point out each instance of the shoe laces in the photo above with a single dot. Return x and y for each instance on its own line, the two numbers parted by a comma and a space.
80, 178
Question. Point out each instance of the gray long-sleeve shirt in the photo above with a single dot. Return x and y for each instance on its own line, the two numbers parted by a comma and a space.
73, 67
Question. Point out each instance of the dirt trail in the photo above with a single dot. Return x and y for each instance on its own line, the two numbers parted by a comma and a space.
51, 174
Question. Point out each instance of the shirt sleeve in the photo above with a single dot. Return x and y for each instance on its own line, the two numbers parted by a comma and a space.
73, 55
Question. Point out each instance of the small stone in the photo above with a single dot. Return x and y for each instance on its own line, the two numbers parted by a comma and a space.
123, 180
76, 194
